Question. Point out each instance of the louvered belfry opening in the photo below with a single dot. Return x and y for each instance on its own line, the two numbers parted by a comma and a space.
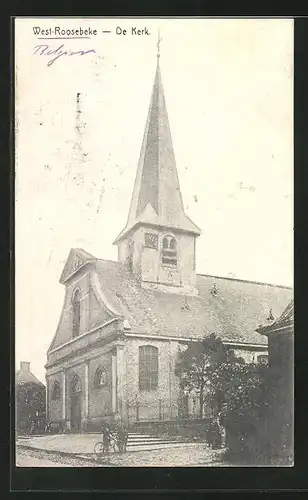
169, 251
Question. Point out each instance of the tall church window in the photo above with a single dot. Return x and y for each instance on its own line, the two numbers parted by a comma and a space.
148, 368
100, 378
56, 392
76, 313
169, 252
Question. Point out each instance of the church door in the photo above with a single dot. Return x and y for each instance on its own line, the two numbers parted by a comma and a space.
76, 404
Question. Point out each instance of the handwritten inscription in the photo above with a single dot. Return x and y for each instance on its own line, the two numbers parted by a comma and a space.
54, 54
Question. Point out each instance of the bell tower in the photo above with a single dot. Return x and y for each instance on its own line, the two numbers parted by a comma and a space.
158, 242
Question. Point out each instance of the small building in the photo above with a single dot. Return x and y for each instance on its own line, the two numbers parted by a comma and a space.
123, 323
30, 397
280, 335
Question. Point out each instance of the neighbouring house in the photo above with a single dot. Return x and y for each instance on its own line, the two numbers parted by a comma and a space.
30, 397
123, 323
280, 335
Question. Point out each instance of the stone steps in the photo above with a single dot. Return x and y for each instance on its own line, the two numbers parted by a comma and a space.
143, 442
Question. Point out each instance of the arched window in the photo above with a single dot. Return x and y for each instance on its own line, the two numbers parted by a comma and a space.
76, 313
75, 384
148, 368
100, 378
56, 392
169, 252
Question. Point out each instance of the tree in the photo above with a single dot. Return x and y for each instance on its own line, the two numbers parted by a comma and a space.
204, 368
236, 385
30, 403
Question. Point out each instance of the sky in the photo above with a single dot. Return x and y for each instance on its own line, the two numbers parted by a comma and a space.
229, 92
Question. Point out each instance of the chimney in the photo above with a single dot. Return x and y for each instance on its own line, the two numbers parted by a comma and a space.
25, 366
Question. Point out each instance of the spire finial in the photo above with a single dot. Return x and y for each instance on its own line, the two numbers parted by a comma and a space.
159, 39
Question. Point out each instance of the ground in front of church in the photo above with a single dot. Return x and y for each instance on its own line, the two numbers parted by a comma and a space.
77, 451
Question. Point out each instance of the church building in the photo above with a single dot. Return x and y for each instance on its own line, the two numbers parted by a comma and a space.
123, 323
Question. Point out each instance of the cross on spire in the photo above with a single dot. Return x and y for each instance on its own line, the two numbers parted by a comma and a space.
159, 39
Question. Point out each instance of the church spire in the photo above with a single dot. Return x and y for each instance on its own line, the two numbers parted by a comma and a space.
156, 198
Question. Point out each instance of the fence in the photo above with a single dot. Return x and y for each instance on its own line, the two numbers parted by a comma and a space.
156, 410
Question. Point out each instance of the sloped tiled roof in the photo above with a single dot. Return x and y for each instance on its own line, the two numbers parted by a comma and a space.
233, 312
24, 377
283, 324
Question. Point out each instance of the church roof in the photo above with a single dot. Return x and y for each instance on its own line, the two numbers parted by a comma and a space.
230, 308
156, 198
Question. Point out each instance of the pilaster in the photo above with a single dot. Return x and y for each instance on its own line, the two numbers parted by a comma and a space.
47, 398
114, 380
63, 384
86, 386
120, 378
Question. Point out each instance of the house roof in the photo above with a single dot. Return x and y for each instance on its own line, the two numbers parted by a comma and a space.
156, 197
283, 324
26, 377
228, 307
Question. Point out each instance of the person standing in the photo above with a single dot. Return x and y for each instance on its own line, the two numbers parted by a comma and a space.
122, 435
106, 437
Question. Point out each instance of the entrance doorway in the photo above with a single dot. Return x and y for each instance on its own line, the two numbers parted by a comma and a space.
76, 404
75, 412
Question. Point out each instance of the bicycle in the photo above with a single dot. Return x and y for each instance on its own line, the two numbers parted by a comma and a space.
99, 450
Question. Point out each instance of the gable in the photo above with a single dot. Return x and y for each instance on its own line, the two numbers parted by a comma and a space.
95, 309
76, 259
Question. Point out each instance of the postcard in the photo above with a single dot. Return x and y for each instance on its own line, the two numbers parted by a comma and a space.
154, 242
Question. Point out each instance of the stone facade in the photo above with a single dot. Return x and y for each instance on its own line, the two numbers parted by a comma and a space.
120, 396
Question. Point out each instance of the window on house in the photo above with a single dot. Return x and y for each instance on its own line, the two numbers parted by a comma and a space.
151, 240
56, 392
148, 368
169, 252
100, 378
76, 313
263, 358
76, 384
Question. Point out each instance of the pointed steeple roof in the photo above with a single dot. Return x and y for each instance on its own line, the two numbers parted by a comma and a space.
156, 198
